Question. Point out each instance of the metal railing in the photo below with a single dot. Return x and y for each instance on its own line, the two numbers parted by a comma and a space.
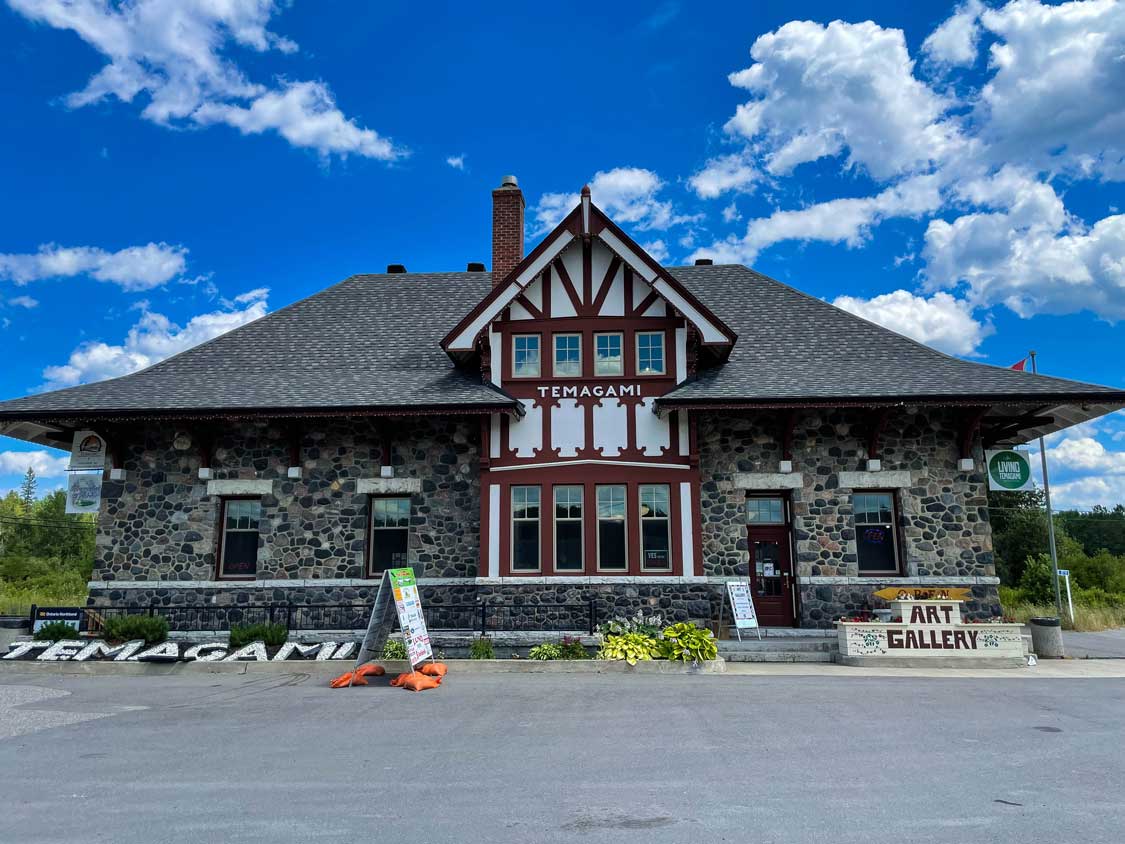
478, 617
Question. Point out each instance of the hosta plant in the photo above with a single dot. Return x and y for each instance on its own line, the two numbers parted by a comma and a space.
649, 625
631, 647
547, 650
687, 643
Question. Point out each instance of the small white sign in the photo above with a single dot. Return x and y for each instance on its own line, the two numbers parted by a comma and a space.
1064, 572
1009, 470
742, 603
84, 492
87, 452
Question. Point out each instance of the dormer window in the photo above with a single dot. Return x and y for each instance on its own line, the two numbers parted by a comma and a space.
525, 356
568, 355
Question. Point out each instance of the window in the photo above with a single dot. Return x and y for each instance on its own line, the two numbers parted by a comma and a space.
611, 529
525, 528
568, 528
650, 353
607, 355
390, 531
238, 556
765, 511
525, 356
568, 354
875, 538
655, 538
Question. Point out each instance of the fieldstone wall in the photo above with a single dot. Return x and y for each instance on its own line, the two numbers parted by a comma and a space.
161, 524
943, 515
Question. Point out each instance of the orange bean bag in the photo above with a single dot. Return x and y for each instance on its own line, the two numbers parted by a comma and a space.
356, 678
434, 669
416, 682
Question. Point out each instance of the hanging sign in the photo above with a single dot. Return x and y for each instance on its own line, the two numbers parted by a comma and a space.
742, 603
87, 452
408, 603
84, 492
1008, 470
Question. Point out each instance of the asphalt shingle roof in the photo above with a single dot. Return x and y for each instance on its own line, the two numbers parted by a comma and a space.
373, 341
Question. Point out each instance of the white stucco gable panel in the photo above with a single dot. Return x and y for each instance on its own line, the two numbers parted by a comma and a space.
653, 432
525, 436
611, 427
568, 427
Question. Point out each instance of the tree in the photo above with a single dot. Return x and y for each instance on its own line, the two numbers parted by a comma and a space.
27, 489
1019, 531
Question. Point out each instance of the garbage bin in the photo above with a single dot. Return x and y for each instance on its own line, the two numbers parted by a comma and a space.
12, 627
1046, 638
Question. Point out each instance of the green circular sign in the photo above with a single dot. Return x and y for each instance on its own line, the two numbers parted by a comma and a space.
1009, 469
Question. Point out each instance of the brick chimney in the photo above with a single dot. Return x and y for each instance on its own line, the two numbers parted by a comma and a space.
507, 228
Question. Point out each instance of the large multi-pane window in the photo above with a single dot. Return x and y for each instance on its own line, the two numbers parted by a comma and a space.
656, 539
525, 356
875, 539
238, 556
390, 534
568, 528
568, 355
611, 528
608, 359
650, 353
525, 528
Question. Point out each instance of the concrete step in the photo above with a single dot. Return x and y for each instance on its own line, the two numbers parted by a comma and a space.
768, 645
780, 656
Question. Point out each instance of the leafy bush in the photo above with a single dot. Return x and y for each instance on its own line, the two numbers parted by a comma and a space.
394, 649
273, 635
122, 628
646, 625
687, 643
1037, 581
52, 631
631, 647
547, 650
1010, 596
572, 649
481, 649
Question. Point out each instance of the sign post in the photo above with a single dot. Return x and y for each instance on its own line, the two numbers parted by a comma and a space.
742, 604
1065, 573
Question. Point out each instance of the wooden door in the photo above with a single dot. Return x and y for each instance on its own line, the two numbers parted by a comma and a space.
771, 575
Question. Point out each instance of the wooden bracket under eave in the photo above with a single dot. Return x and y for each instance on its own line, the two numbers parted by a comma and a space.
970, 427
788, 426
876, 425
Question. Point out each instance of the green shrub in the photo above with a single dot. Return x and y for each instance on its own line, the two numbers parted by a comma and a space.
273, 635
631, 647
687, 643
52, 631
481, 649
646, 625
1037, 581
1010, 596
547, 650
394, 649
122, 628
572, 649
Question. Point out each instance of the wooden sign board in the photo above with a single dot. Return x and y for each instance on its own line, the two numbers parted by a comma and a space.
918, 593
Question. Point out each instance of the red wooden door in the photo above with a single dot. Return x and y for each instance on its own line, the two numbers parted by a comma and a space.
771, 575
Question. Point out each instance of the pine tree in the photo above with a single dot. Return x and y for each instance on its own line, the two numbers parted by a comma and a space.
27, 490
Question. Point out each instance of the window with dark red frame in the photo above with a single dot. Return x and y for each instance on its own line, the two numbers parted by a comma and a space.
390, 534
876, 537
238, 554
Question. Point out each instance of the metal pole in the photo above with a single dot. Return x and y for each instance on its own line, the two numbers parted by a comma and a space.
1069, 602
1050, 514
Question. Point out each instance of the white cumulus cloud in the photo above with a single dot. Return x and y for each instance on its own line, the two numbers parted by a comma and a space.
955, 42
153, 338
47, 464
628, 194
24, 302
941, 321
174, 55
132, 268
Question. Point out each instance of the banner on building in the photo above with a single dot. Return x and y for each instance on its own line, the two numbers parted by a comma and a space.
1009, 470
84, 492
87, 452
408, 603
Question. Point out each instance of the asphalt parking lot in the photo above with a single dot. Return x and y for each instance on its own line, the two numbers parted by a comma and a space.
529, 758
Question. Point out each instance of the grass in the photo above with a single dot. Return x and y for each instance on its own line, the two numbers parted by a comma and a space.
17, 600
1086, 619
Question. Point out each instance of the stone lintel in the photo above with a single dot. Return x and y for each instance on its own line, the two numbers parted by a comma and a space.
953, 580
895, 479
768, 480
238, 486
388, 486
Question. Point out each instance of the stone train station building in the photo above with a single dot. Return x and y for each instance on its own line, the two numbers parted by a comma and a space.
580, 422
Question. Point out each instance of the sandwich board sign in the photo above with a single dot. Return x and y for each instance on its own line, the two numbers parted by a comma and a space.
742, 604
408, 604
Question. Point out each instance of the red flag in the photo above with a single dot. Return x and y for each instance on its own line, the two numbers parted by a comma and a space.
1021, 366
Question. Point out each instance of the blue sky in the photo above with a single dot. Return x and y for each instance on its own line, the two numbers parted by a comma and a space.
954, 171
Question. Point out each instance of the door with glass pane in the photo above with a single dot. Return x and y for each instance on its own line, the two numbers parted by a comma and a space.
771, 568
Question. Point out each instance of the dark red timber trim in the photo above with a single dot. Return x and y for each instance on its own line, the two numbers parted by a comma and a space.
568, 286
606, 285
